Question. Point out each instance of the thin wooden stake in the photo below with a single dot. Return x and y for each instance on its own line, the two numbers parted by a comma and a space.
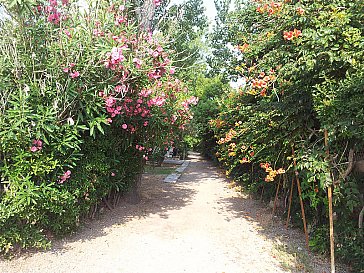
331, 220
301, 201
261, 194
276, 197
290, 202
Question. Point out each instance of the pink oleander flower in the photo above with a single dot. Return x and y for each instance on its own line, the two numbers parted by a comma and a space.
172, 70
112, 174
154, 75
53, 3
137, 62
54, 17
110, 101
155, 54
145, 92
37, 145
124, 126
117, 55
67, 33
98, 33
74, 74
120, 19
158, 101
109, 120
64, 177
145, 123
120, 88
37, 142
300, 11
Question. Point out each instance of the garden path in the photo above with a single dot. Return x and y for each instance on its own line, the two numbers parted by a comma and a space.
197, 225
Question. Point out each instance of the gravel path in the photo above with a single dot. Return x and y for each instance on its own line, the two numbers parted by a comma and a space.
196, 225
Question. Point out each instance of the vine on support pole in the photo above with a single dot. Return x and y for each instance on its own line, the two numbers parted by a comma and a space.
301, 201
329, 195
290, 202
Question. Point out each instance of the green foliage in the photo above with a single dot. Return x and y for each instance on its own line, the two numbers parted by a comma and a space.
209, 91
26, 211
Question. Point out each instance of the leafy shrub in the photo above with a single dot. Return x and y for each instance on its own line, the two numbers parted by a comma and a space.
302, 64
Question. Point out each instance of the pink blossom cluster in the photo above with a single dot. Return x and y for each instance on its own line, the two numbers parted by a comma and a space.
71, 71
145, 93
115, 58
157, 101
119, 14
52, 11
157, 2
121, 89
139, 147
68, 33
192, 100
98, 33
64, 177
137, 62
156, 74
144, 85
156, 52
37, 145
121, 19
131, 128
135, 108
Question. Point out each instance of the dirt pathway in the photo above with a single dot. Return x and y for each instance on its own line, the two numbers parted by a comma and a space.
196, 225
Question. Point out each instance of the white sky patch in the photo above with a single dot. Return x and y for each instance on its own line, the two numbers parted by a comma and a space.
83, 5
240, 82
210, 10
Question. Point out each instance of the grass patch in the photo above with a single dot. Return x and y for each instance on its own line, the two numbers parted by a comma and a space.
163, 170
292, 258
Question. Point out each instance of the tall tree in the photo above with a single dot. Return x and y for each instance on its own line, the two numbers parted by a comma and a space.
185, 26
219, 39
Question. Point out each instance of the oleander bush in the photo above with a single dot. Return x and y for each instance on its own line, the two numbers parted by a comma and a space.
86, 96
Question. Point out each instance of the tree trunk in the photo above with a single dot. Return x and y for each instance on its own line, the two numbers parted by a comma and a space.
145, 13
361, 214
133, 196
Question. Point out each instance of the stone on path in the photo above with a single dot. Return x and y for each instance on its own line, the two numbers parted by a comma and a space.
173, 177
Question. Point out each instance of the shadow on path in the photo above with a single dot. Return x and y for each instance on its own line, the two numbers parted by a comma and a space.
157, 199
289, 243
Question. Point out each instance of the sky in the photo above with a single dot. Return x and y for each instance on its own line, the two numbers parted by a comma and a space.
209, 6
210, 9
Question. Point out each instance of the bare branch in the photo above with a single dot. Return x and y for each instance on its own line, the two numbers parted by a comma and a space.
348, 170
361, 215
